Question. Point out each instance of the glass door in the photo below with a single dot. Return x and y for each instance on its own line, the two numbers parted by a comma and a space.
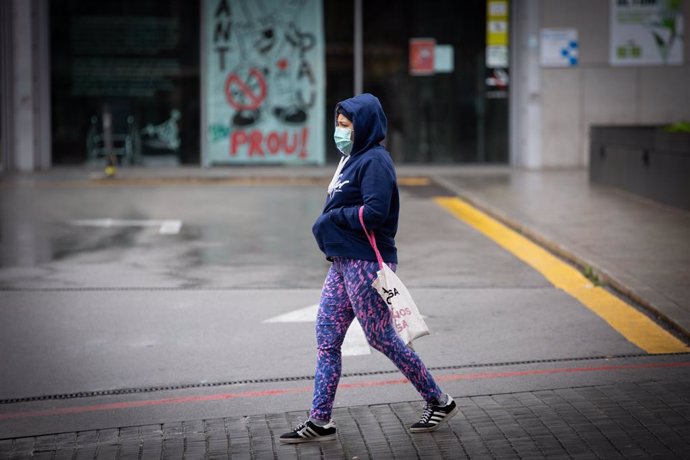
444, 114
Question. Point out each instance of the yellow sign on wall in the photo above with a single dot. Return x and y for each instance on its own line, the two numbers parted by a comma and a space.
497, 23
497, 33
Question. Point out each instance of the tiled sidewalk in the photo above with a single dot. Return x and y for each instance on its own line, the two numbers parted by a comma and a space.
641, 420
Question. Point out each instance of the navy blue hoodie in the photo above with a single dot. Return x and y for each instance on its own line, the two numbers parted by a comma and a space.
368, 179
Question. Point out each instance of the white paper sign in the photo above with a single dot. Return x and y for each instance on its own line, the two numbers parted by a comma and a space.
496, 56
443, 59
559, 48
648, 32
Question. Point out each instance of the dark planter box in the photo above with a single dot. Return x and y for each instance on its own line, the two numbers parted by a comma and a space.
645, 160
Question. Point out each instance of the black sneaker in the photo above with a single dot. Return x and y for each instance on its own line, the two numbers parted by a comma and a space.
434, 415
309, 432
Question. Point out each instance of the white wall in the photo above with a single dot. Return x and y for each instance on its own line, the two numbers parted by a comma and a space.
594, 92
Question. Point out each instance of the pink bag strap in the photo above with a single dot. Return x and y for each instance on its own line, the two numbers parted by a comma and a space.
370, 237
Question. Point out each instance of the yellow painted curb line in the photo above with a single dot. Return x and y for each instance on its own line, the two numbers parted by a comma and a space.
630, 323
414, 181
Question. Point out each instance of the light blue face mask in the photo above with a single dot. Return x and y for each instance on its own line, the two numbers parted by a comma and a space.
343, 140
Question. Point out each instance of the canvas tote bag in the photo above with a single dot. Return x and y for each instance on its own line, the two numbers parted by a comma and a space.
407, 320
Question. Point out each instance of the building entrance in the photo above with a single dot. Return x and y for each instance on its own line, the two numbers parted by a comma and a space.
446, 115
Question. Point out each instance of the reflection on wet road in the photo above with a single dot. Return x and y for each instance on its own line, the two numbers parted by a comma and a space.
49, 238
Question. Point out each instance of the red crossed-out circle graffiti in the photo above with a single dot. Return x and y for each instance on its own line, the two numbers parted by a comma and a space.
245, 93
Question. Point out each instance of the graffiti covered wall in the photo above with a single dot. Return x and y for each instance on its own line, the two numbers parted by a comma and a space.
265, 81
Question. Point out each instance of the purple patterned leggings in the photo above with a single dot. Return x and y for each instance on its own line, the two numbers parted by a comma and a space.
347, 292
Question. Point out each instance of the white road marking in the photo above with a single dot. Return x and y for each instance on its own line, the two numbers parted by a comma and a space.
166, 227
355, 343
303, 315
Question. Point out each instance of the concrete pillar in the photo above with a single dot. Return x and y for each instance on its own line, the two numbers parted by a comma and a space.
25, 98
359, 49
525, 96
6, 81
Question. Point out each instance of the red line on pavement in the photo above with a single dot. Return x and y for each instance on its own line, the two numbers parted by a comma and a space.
284, 391
152, 402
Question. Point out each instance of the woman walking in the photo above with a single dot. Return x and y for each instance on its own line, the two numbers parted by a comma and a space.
365, 177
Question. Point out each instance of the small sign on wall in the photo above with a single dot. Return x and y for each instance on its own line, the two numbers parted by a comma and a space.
422, 52
444, 60
559, 48
428, 58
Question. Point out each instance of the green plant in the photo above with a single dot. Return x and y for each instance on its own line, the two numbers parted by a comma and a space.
592, 276
667, 23
678, 127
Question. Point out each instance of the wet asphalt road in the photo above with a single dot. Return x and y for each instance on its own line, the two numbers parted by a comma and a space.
177, 322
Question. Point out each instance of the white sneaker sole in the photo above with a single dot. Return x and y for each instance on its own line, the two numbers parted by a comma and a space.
450, 415
330, 437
